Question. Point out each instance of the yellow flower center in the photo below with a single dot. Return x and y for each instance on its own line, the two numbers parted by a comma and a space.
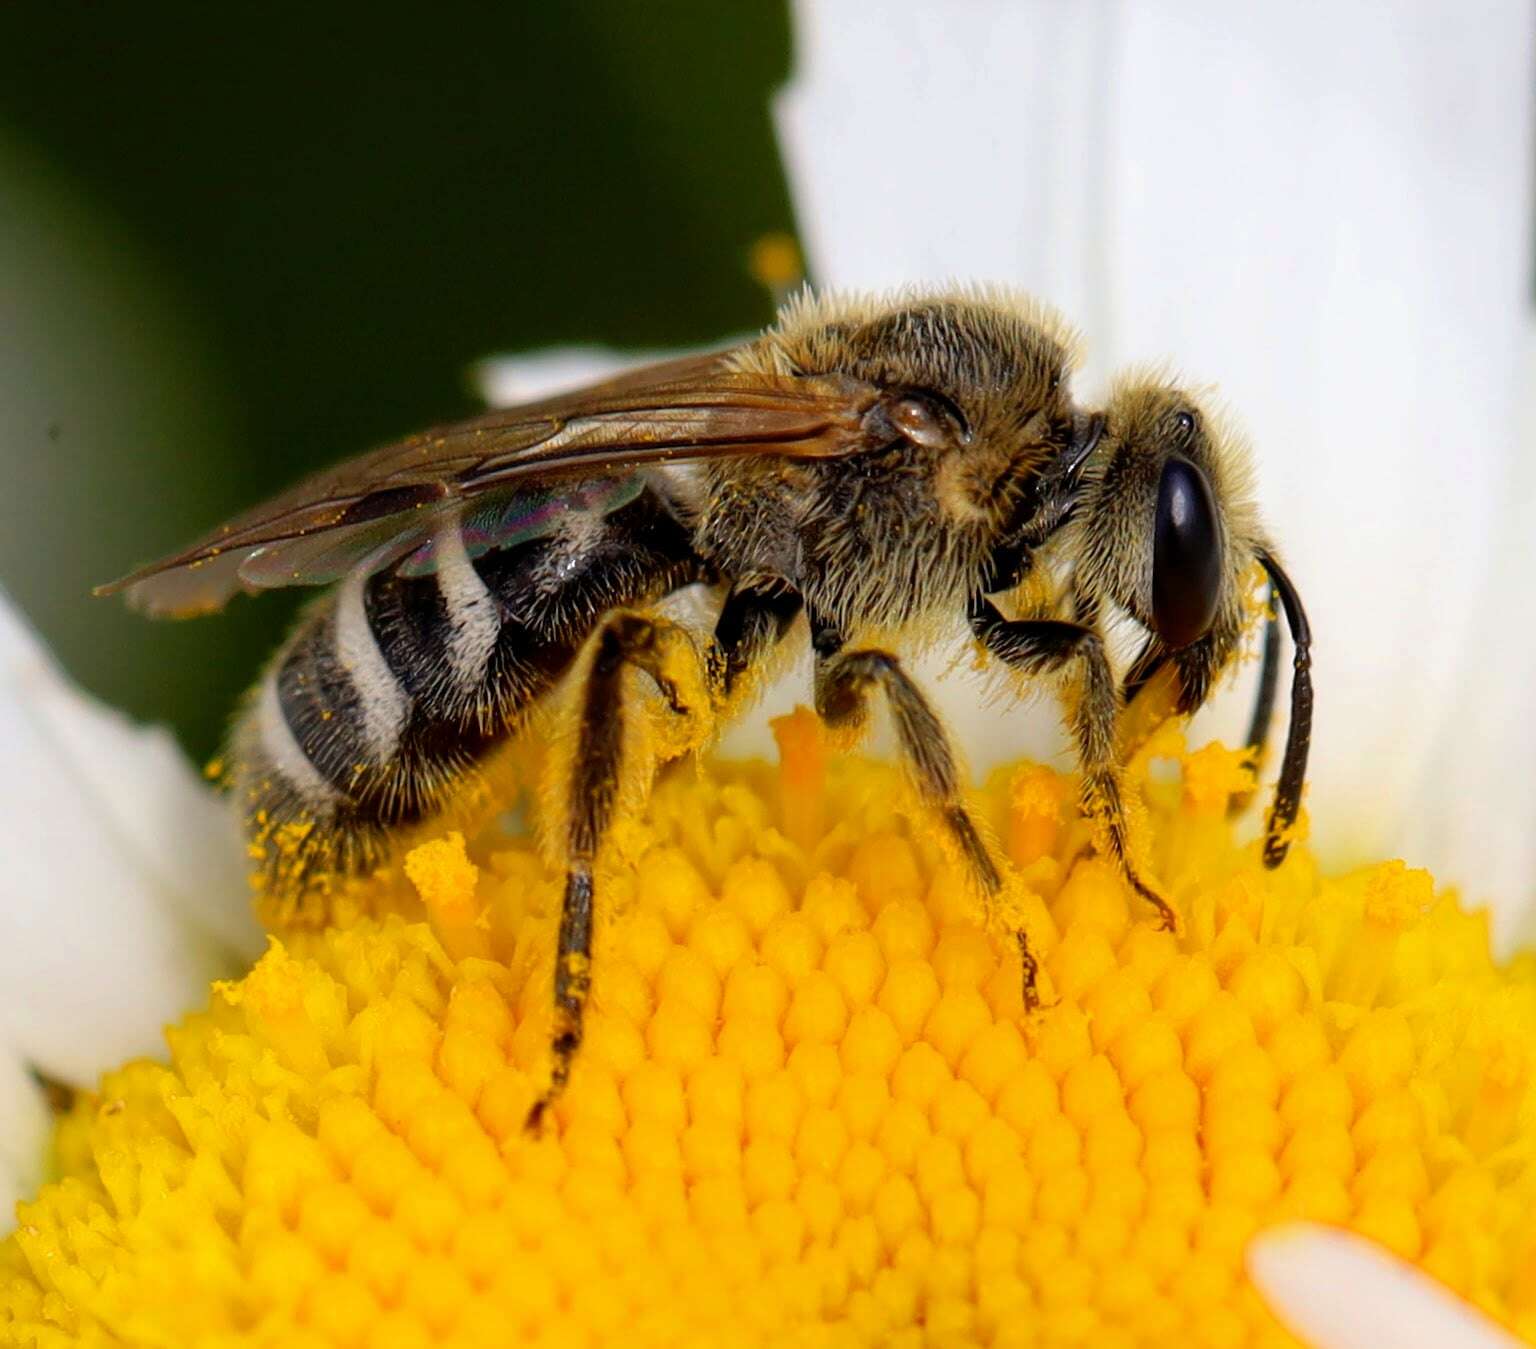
810, 1106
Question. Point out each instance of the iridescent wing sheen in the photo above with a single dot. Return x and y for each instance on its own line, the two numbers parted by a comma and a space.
524, 466
500, 519
517, 517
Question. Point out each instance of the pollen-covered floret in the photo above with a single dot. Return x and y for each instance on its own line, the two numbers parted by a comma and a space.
810, 1107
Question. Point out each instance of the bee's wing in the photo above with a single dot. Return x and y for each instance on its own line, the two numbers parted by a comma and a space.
479, 523
383, 505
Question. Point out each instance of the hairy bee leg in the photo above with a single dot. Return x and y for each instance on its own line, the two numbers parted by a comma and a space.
1149, 661
754, 619
1257, 741
625, 639
843, 685
1196, 671
1040, 646
844, 680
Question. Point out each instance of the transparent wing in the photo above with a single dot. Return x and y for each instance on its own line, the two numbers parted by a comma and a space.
385, 505
500, 519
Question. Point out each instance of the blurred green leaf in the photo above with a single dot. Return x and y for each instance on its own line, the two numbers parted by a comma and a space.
331, 212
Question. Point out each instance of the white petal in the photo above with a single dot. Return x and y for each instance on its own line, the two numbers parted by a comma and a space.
1335, 1290
1469, 818
927, 142
178, 830
505, 381
107, 844
1323, 210
24, 1127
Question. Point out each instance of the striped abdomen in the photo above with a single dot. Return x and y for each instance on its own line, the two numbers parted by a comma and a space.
393, 687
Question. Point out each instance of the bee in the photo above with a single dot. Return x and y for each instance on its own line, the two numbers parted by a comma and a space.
865, 466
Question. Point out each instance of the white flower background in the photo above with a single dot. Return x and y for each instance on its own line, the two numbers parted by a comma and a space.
1324, 211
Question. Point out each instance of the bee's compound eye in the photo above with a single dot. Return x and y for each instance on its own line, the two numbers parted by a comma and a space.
921, 422
1186, 555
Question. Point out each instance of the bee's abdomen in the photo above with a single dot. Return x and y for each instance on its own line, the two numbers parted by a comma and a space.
395, 686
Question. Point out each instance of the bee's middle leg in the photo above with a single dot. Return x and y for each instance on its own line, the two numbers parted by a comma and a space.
844, 681
1040, 646
623, 640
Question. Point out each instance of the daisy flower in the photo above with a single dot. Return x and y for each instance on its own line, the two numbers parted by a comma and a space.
811, 1106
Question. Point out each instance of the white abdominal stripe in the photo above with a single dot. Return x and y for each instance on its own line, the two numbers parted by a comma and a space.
336, 719
384, 705
473, 621
284, 754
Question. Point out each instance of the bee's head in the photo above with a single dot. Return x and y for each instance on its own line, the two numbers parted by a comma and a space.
1168, 532
1168, 525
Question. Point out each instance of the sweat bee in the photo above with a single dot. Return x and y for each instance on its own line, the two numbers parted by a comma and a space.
865, 465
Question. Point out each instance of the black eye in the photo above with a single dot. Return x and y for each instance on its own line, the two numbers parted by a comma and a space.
1186, 555
1185, 422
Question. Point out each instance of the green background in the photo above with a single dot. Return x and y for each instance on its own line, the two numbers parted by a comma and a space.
307, 222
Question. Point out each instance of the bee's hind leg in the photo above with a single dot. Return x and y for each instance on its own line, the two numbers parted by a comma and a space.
1041, 646
844, 680
624, 639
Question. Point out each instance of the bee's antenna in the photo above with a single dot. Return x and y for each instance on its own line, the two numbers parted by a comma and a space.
1298, 740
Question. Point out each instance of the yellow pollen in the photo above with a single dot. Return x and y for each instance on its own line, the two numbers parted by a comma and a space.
809, 1107
1395, 896
774, 262
445, 879
1212, 776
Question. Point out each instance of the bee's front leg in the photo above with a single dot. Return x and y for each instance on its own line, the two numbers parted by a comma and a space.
844, 682
624, 639
1194, 670
1191, 673
1257, 741
1042, 646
